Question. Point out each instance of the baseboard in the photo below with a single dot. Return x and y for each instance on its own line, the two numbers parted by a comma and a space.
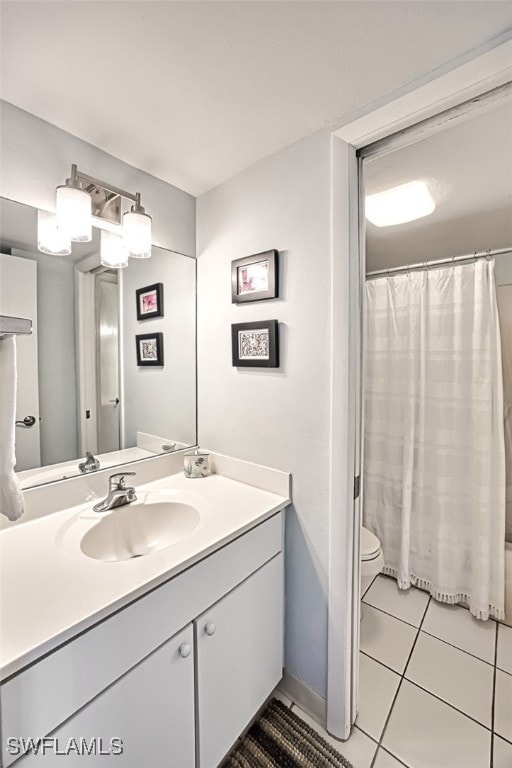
306, 698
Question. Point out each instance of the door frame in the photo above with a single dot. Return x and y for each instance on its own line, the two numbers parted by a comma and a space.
111, 277
468, 77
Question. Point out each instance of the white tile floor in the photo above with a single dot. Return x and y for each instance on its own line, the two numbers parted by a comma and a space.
435, 686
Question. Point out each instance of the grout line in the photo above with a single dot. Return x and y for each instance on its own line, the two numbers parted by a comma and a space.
401, 681
416, 638
398, 760
436, 637
452, 706
504, 738
473, 656
386, 666
427, 690
493, 700
372, 738
408, 623
402, 675
375, 742
372, 582
504, 671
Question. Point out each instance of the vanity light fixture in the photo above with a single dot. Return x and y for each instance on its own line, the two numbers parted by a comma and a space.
51, 239
74, 209
113, 254
137, 231
83, 199
397, 205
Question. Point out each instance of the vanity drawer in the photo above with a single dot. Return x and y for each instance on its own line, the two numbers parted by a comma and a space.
35, 701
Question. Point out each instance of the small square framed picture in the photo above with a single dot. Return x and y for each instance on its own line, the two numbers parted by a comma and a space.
255, 277
255, 344
150, 348
150, 301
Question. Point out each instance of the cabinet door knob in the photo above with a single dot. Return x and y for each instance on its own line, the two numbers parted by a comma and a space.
184, 650
210, 628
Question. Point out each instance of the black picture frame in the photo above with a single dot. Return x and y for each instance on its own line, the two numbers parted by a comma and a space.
262, 284
150, 349
150, 301
255, 345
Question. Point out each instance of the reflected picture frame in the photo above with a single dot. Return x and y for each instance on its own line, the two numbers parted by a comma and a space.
150, 349
255, 345
255, 278
150, 301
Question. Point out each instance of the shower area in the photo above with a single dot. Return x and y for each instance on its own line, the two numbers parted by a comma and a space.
437, 456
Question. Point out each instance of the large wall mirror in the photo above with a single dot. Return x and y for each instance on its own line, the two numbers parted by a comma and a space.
85, 381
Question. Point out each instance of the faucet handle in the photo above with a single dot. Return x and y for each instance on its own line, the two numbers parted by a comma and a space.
120, 484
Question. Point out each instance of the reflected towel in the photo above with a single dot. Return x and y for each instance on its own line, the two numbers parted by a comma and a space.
11, 496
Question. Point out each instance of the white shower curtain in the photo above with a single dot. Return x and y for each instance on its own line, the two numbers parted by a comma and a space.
434, 462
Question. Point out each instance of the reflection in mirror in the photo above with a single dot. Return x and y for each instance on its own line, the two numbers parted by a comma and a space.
78, 373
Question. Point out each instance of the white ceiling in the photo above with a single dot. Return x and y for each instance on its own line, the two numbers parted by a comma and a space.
468, 168
193, 92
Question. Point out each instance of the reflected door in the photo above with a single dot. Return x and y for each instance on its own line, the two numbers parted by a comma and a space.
107, 361
18, 297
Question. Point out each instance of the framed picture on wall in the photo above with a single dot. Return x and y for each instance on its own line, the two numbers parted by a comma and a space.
150, 301
150, 348
254, 278
255, 344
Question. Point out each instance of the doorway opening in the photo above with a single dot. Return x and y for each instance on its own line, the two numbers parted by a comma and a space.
98, 361
107, 361
410, 111
433, 454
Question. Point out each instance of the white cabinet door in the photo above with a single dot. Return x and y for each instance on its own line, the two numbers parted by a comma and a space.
239, 647
150, 709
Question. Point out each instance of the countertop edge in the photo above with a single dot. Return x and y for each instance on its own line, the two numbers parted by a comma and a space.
38, 652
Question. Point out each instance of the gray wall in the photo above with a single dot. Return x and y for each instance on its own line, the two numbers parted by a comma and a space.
503, 269
35, 157
276, 417
161, 401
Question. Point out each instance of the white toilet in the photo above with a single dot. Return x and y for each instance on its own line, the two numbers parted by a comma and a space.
372, 560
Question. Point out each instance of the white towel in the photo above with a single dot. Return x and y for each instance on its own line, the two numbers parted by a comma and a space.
11, 496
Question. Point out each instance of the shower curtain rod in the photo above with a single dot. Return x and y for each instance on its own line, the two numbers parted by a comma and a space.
439, 262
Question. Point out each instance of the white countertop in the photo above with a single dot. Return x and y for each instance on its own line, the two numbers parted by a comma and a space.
50, 591
31, 477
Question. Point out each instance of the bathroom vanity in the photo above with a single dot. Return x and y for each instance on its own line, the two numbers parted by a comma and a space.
159, 660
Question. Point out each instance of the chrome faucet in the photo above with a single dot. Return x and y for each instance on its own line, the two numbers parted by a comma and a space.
118, 493
90, 464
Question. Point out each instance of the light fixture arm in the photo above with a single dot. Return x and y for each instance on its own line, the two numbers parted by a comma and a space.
77, 175
74, 182
84, 197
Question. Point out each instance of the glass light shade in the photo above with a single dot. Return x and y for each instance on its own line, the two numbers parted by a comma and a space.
74, 213
112, 252
51, 239
398, 205
137, 234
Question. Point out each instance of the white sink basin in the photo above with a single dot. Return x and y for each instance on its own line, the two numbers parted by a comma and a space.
139, 529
